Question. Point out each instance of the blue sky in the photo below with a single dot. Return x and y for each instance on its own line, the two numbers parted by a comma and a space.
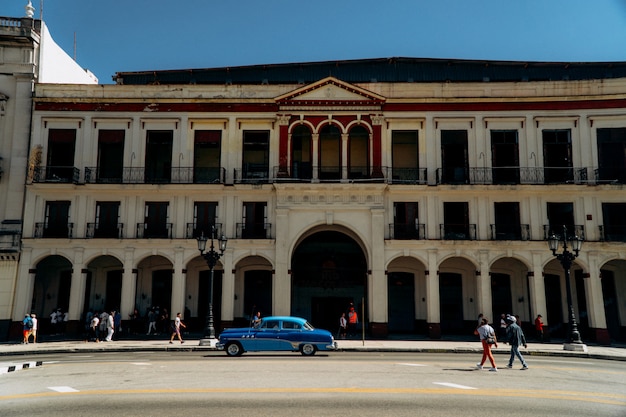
126, 35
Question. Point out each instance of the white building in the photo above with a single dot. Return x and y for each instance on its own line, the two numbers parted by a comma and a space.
28, 55
421, 190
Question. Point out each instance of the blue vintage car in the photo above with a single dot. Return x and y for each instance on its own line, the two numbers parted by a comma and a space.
277, 333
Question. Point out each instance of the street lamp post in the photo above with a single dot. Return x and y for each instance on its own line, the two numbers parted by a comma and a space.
573, 341
211, 257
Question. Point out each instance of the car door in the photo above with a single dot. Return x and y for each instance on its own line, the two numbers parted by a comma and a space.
268, 336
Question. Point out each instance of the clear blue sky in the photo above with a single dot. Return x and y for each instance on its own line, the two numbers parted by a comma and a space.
126, 35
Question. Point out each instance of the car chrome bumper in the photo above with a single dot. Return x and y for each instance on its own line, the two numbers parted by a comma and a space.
332, 346
219, 346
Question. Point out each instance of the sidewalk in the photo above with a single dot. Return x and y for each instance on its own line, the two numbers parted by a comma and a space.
426, 346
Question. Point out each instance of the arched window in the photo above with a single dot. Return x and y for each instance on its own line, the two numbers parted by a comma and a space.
358, 153
330, 153
301, 166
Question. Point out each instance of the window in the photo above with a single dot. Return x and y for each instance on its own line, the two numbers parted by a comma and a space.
612, 155
557, 156
110, 156
254, 220
301, 157
559, 215
614, 226
204, 217
330, 153
60, 161
505, 156
456, 222
405, 220
107, 220
57, 220
256, 154
207, 154
507, 226
404, 156
159, 156
358, 145
455, 168
156, 225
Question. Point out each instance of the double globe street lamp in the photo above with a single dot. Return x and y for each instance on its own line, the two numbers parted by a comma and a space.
573, 341
211, 257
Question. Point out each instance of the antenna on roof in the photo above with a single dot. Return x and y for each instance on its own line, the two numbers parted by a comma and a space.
74, 46
40, 9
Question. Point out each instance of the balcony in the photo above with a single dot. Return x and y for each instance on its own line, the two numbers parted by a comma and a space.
154, 230
510, 232
512, 175
99, 231
10, 241
610, 175
612, 233
138, 175
407, 231
55, 174
406, 175
452, 231
572, 230
254, 231
194, 231
54, 230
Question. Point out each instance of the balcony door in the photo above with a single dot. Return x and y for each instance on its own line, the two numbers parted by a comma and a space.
612, 155
454, 157
61, 150
330, 153
206, 156
507, 221
557, 156
107, 219
159, 156
254, 218
301, 157
505, 157
57, 219
110, 156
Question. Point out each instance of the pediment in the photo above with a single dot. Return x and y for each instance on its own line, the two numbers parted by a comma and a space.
329, 91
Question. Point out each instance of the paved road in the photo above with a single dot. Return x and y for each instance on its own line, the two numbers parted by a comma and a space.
339, 383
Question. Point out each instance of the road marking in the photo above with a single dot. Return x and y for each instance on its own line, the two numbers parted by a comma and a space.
63, 389
412, 364
141, 363
448, 384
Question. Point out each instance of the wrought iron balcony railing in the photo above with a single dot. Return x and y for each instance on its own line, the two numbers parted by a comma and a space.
572, 230
612, 233
407, 231
154, 230
451, 231
139, 175
54, 230
56, 174
510, 232
511, 175
254, 231
100, 231
195, 230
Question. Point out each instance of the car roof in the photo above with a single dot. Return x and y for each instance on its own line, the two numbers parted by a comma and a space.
285, 318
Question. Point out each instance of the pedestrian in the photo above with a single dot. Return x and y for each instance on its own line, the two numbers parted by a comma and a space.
256, 320
343, 326
516, 338
539, 327
502, 328
27, 326
117, 320
165, 321
353, 321
33, 330
487, 338
151, 321
110, 324
479, 321
94, 327
176, 329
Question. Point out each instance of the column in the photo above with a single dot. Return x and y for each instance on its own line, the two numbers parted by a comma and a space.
377, 280
283, 144
129, 284
281, 279
344, 156
595, 301
433, 315
228, 289
178, 283
315, 139
483, 287
537, 287
24, 286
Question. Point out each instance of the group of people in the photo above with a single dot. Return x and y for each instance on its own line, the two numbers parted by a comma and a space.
29, 328
511, 333
348, 323
102, 324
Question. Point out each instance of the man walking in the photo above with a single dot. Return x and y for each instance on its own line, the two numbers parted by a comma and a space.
515, 337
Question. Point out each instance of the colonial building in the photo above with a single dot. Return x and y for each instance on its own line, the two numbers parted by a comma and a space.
28, 55
421, 190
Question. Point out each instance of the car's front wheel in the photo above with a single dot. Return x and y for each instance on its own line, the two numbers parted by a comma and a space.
308, 349
233, 349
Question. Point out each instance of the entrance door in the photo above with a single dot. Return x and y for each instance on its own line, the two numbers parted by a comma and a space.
500, 296
611, 308
451, 302
113, 297
401, 302
162, 290
554, 305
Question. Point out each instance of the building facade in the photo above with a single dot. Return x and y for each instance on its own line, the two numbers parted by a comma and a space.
423, 191
28, 55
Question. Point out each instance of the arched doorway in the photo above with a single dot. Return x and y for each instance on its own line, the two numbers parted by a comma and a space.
52, 290
613, 275
329, 271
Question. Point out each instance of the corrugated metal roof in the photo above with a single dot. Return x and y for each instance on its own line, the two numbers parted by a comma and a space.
385, 70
